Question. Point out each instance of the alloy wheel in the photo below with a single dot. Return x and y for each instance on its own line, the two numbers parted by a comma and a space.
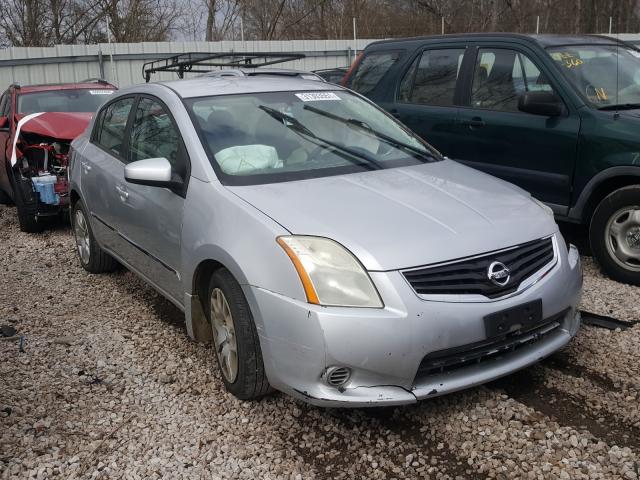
622, 237
224, 335
81, 231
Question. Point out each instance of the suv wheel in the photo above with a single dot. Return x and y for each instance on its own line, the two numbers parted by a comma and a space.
5, 199
92, 257
26, 207
235, 339
615, 235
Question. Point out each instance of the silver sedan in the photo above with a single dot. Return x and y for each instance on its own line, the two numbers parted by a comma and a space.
321, 247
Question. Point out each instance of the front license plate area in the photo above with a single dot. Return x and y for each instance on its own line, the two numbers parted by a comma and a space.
513, 319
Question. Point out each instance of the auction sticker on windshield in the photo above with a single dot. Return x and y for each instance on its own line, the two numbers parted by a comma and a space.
317, 96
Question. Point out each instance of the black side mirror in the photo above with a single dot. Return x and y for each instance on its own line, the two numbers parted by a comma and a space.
541, 103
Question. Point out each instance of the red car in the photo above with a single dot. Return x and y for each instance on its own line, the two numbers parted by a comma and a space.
37, 124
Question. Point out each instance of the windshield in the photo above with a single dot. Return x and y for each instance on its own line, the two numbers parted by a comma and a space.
68, 100
592, 69
280, 136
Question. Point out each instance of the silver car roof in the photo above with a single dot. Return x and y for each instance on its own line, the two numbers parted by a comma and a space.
253, 71
233, 85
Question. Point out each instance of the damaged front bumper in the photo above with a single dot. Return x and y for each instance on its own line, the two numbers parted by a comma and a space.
386, 350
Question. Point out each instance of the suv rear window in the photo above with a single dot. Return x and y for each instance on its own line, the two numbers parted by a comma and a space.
67, 100
371, 69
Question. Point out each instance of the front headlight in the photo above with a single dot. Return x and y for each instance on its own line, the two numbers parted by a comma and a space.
543, 206
330, 274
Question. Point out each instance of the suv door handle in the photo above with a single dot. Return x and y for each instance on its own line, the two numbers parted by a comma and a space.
86, 168
475, 122
122, 192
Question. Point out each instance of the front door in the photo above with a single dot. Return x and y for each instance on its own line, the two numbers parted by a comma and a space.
535, 152
427, 95
150, 218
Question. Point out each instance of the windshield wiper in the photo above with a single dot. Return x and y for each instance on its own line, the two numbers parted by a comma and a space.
298, 127
384, 137
621, 106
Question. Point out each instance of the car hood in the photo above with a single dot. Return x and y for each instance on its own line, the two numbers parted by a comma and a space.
406, 217
60, 125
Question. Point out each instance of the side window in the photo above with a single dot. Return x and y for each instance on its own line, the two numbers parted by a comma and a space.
371, 69
501, 76
432, 78
154, 135
112, 124
4, 104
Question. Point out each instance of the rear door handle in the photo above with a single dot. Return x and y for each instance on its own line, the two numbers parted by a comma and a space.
475, 122
122, 192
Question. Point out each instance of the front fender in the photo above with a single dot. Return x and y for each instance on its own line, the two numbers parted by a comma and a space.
577, 212
220, 226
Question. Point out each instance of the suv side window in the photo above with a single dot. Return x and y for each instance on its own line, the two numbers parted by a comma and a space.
5, 104
501, 76
154, 134
432, 78
112, 124
371, 69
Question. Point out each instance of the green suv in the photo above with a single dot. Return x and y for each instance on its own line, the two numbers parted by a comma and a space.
557, 115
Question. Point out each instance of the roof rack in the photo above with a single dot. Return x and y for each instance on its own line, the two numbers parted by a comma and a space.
201, 62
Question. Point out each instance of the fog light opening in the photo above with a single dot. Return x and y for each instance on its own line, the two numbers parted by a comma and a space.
337, 376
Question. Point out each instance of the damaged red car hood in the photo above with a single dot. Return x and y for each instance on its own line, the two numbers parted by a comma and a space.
60, 125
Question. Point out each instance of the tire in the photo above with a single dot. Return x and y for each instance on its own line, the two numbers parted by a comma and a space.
250, 380
614, 235
92, 258
26, 208
5, 199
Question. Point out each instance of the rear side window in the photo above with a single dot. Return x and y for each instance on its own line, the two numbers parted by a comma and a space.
112, 125
371, 69
432, 78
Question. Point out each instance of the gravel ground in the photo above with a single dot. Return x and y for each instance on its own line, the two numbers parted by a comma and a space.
110, 386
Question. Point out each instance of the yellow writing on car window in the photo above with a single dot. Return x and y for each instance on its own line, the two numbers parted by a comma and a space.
601, 94
569, 60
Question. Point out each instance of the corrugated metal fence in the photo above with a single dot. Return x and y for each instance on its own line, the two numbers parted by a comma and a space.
70, 63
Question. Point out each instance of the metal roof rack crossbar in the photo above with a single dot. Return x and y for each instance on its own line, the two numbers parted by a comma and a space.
197, 62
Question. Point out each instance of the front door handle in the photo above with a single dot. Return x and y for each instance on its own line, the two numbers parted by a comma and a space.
122, 192
86, 168
475, 122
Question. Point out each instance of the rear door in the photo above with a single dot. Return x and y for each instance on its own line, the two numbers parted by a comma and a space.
101, 171
535, 152
427, 94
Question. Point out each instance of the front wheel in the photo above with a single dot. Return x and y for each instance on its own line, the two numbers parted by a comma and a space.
26, 204
614, 235
92, 257
235, 338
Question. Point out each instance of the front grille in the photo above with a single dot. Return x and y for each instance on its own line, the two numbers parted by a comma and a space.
444, 361
470, 276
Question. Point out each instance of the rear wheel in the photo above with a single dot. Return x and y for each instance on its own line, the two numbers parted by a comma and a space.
614, 234
26, 204
92, 257
235, 339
